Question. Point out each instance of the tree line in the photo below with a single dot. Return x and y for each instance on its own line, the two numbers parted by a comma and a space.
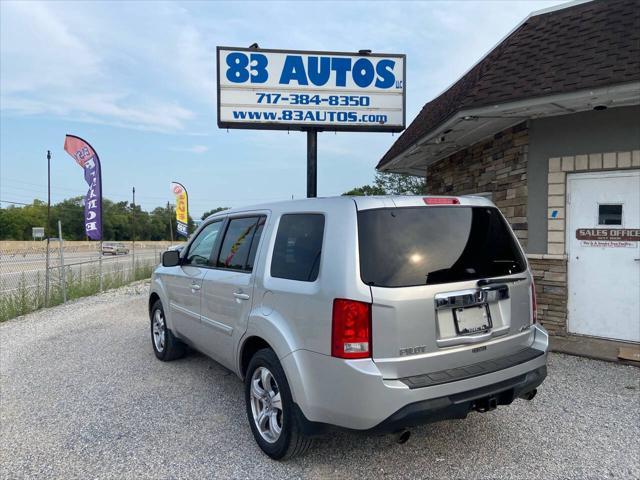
120, 221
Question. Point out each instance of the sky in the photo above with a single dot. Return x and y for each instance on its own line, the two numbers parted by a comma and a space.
137, 81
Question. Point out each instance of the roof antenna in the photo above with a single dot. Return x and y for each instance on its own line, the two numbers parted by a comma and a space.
254, 46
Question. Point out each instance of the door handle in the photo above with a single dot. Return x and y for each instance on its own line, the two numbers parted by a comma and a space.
195, 287
241, 296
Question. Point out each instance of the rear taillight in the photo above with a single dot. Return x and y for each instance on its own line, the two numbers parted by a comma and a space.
441, 201
351, 329
534, 303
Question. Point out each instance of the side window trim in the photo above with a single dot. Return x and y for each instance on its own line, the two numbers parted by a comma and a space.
213, 262
253, 238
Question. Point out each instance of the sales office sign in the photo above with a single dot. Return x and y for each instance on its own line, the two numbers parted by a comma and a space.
290, 89
608, 237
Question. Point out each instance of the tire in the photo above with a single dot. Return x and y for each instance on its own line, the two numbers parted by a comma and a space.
290, 441
165, 345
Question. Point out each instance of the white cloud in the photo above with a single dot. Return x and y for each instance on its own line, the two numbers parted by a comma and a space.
197, 149
52, 67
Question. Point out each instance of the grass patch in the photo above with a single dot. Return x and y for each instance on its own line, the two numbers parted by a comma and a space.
83, 281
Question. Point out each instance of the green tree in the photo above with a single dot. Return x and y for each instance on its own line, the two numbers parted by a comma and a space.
211, 212
70, 212
392, 184
366, 190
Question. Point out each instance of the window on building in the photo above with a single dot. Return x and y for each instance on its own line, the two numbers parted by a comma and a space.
296, 253
609, 214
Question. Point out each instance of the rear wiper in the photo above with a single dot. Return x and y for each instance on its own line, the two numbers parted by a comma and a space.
490, 281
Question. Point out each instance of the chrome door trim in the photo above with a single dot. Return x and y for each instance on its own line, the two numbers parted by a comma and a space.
217, 325
186, 311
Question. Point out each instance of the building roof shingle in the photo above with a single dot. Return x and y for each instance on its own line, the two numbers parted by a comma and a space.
583, 46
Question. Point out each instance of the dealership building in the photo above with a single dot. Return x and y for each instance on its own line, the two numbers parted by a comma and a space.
547, 125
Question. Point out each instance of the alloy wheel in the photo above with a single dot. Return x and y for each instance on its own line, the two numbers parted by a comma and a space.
159, 331
266, 404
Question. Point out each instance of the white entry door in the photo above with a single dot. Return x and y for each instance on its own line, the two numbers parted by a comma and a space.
603, 250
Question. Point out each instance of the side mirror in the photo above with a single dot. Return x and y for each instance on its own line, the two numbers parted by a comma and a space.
170, 258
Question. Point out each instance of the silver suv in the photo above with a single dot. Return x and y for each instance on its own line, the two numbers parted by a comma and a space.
366, 313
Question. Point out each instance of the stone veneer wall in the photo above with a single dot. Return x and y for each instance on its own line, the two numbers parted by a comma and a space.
497, 165
550, 276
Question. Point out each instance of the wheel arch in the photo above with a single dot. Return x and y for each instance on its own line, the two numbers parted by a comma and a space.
248, 349
153, 298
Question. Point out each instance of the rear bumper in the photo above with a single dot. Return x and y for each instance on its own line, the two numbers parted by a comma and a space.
459, 405
352, 393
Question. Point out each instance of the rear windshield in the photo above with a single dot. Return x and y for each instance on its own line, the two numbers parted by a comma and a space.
402, 247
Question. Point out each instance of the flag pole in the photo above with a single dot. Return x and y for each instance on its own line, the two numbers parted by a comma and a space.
99, 166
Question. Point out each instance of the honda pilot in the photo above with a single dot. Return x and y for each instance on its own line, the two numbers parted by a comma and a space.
371, 314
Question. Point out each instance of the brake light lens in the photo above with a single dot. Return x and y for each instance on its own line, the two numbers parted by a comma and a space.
351, 329
441, 201
534, 303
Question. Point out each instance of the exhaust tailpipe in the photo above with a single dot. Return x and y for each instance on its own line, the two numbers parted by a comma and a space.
529, 395
402, 436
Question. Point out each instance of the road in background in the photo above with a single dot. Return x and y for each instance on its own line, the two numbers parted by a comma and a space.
23, 264
29, 268
83, 396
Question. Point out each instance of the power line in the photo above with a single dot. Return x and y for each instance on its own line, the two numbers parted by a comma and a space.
14, 203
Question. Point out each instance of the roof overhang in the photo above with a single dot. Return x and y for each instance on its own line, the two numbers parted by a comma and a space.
469, 126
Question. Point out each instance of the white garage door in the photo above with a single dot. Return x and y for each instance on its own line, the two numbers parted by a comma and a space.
604, 254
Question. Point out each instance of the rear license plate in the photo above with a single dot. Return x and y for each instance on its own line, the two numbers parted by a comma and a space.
472, 319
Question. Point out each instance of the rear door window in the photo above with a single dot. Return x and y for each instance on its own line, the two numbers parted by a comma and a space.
298, 246
402, 247
237, 252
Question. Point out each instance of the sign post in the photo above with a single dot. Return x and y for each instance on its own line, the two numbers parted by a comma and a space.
312, 163
311, 92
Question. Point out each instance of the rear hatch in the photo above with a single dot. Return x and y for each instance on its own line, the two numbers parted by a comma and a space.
449, 285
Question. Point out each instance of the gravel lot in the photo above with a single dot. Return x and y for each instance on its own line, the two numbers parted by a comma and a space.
82, 396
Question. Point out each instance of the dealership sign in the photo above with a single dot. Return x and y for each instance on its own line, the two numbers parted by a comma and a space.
289, 89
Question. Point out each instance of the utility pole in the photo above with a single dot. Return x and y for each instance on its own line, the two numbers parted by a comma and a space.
133, 236
170, 224
46, 274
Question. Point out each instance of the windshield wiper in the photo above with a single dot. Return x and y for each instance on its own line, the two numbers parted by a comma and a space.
490, 281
